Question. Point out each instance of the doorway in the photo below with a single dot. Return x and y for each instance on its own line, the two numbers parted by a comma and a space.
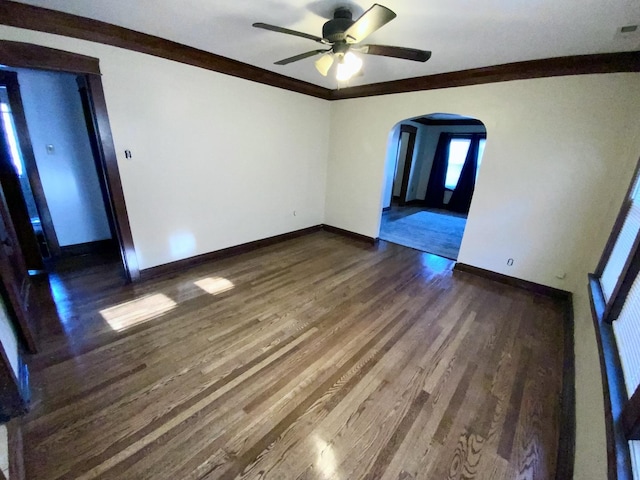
32, 218
44, 122
433, 163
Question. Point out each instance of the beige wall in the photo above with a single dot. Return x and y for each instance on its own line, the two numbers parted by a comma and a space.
555, 146
217, 161
9, 342
559, 156
8, 338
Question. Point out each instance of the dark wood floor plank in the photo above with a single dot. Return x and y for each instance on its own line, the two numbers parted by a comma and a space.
319, 357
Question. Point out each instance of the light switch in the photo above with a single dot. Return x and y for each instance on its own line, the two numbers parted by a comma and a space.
51, 149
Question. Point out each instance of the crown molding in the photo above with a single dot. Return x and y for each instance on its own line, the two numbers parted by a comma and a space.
30, 17
548, 67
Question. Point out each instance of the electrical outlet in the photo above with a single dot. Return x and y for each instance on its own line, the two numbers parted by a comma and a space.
51, 149
510, 262
295, 213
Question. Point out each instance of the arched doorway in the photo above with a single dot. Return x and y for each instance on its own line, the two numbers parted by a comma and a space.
432, 167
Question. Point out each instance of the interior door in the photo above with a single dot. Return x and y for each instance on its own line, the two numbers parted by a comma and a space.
10, 180
14, 278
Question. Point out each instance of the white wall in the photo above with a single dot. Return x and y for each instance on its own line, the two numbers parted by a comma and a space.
559, 156
4, 451
217, 161
54, 117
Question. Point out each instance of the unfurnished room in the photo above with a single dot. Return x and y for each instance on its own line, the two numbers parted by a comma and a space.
319, 239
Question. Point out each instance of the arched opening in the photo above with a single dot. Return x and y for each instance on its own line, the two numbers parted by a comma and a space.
431, 171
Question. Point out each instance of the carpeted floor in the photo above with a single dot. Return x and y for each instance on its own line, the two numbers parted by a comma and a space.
431, 232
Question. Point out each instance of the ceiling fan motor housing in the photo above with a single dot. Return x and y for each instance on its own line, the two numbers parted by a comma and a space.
334, 29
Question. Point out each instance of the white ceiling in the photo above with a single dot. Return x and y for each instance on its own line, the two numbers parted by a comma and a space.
462, 34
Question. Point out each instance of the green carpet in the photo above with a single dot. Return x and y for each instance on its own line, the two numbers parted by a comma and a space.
430, 232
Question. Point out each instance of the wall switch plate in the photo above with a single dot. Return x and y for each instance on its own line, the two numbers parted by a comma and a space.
51, 149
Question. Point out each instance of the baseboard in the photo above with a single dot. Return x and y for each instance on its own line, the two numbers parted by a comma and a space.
180, 265
514, 282
16, 450
347, 233
567, 439
99, 246
386, 209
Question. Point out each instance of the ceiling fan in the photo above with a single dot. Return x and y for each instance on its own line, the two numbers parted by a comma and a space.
344, 36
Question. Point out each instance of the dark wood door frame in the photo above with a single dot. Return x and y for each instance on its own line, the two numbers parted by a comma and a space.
408, 161
24, 55
10, 80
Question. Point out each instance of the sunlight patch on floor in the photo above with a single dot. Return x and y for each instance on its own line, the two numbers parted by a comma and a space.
326, 459
214, 285
126, 315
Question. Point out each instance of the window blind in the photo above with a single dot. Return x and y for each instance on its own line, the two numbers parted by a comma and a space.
634, 450
627, 332
621, 250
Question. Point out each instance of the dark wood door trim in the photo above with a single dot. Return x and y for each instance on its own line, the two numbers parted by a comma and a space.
10, 80
15, 284
16, 449
92, 132
111, 177
408, 161
26, 55
60, 23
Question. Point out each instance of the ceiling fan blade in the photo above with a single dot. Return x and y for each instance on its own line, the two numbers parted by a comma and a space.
324, 63
370, 21
274, 28
302, 56
396, 52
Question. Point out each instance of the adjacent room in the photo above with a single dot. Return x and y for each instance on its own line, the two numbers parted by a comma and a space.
319, 239
433, 163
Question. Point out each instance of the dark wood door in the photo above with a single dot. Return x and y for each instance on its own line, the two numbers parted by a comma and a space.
13, 188
408, 161
15, 283
14, 277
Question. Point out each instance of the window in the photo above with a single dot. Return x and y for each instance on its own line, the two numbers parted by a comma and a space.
458, 150
8, 127
617, 284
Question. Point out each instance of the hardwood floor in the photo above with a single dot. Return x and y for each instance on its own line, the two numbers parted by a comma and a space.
320, 357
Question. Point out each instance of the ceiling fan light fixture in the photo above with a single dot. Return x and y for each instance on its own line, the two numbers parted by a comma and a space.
349, 66
323, 64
